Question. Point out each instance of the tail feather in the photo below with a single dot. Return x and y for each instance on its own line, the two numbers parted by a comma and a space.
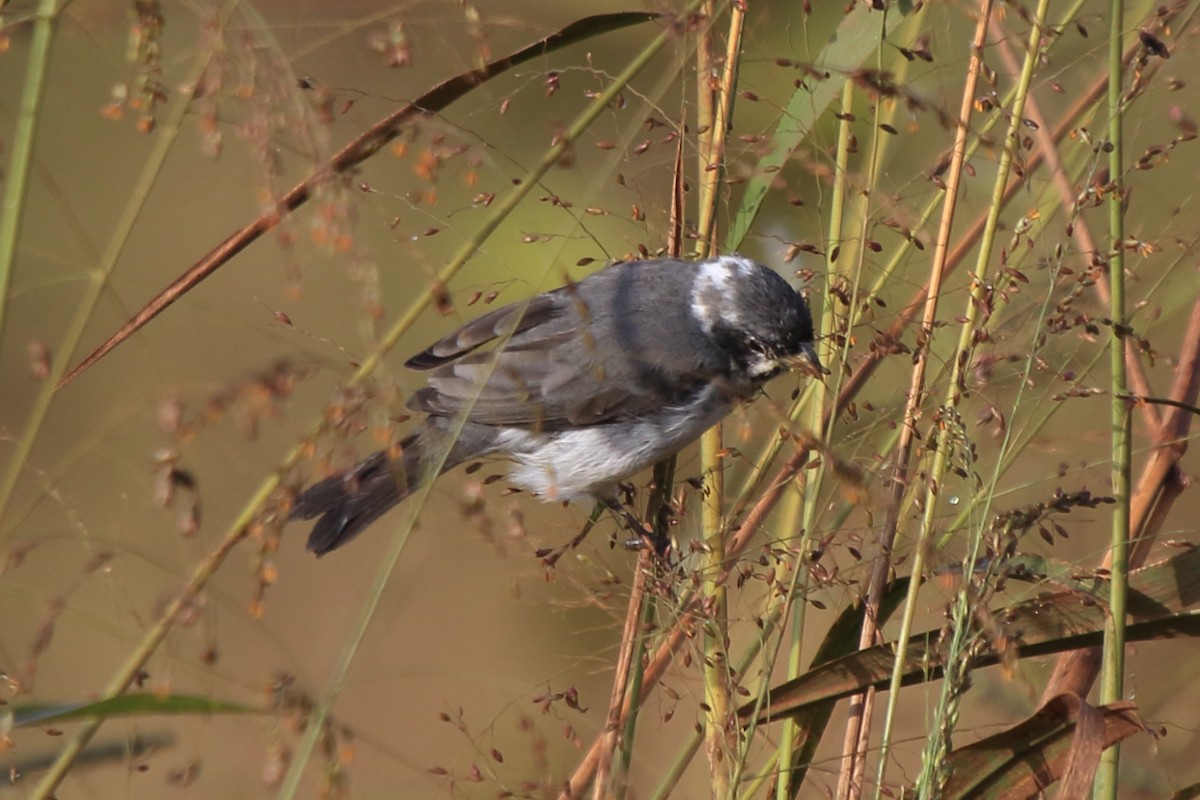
347, 504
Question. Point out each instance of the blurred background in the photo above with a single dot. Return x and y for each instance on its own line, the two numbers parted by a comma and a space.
482, 671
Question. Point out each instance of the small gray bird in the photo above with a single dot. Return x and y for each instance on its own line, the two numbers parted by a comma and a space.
586, 385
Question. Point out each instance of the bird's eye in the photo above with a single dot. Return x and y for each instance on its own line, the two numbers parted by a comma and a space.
759, 362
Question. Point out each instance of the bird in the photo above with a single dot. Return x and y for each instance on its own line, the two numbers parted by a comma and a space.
582, 387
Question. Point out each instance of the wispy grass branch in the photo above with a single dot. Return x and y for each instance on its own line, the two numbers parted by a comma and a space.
99, 276
975, 322
261, 499
898, 480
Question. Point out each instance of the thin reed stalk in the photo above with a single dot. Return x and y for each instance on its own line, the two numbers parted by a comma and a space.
1112, 676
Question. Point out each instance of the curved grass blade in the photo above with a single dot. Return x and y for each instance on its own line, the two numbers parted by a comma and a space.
856, 38
1061, 742
350, 156
1162, 605
129, 705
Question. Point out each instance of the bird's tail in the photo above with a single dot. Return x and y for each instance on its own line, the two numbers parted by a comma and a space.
348, 503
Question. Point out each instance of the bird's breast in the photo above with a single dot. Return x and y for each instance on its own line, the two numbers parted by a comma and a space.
588, 461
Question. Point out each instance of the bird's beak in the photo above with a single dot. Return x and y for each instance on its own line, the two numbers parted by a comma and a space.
807, 361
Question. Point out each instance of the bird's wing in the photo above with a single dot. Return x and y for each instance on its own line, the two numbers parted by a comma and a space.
548, 374
510, 320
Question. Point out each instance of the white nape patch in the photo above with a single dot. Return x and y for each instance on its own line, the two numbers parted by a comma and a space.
743, 265
590, 461
713, 288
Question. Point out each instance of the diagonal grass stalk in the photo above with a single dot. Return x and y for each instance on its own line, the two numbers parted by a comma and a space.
21, 159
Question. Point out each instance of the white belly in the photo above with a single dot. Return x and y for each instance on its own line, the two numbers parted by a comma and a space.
588, 462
